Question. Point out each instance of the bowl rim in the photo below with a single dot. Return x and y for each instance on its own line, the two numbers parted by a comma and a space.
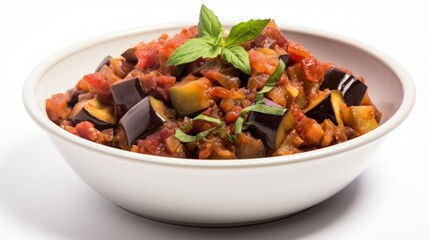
408, 87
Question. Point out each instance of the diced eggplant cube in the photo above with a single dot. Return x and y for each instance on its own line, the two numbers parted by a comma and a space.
127, 93
271, 129
323, 110
191, 97
94, 111
352, 88
105, 61
329, 107
130, 55
143, 118
285, 58
360, 118
74, 99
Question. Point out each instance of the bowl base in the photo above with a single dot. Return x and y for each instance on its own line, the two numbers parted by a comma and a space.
214, 225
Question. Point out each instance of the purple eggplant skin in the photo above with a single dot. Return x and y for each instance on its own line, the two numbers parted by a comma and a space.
329, 107
105, 61
85, 115
140, 121
94, 111
130, 55
352, 88
285, 58
74, 99
271, 129
264, 127
323, 110
127, 93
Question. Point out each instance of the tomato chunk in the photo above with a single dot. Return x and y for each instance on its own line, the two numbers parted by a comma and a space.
313, 70
297, 51
99, 84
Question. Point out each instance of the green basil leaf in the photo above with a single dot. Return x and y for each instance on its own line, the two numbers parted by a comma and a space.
246, 31
187, 126
232, 138
208, 119
183, 137
193, 49
209, 24
262, 108
237, 56
239, 125
220, 124
272, 81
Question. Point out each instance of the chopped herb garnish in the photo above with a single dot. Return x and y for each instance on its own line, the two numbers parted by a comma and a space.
208, 119
211, 41
183, 137
272, 81
259, 107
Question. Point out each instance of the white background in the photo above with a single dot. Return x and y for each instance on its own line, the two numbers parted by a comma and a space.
41, 198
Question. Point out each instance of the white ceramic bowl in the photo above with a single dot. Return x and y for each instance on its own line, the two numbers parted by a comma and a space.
219, 192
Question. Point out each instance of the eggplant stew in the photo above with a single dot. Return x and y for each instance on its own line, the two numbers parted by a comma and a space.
207, 93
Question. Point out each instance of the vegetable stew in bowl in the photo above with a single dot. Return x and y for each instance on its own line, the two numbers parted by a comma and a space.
208, 94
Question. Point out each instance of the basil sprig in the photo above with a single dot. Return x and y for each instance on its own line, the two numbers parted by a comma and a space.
211, 41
